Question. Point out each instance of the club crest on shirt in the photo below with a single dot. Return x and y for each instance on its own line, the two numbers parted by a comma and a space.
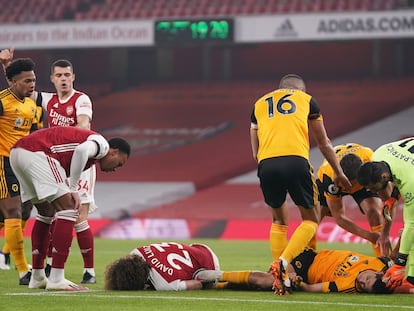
69, 110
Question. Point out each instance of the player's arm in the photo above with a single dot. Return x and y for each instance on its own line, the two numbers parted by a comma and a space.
84, 112
338, 213
193, 285
82, 153
84, 122
324, 144
6, 57
313, 288
254, 140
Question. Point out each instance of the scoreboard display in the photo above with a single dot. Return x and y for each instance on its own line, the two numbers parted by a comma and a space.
194, 30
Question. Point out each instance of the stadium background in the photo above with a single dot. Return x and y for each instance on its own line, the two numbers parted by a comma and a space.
185, 106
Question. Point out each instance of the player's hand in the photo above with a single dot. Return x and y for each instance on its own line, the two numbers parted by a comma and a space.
297, 282
340, 180
394, 276
6, 56
76, 200
389, 208
385, 246
405, 288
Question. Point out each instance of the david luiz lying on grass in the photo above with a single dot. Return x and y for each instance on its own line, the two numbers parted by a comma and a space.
326, 271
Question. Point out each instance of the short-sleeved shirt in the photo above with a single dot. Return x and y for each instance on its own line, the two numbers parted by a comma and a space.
337, 270
60, 143
399, 155
281, 119
17, 118
326, 174
65, 112
173, 263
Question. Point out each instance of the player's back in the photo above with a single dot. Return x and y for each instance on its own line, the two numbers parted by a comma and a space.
282, 119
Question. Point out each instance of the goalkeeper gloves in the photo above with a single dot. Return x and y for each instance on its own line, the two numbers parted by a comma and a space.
388, 208
394, 276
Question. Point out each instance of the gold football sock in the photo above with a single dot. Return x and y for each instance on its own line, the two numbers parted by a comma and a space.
237, 277
6, 248
14, 238
278, 239
299, 240
376, 249
313, 243
221, 285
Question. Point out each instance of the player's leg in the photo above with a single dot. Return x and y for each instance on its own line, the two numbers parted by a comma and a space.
83, 231
86, 245
272, 175
65, 219
10, 207
44, 179
4, 256
40, 243
407, 240
5, 252
303, 191
278, 230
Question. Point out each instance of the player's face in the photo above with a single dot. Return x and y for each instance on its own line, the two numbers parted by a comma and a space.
23, 84
63, 78
366, 280
112, 160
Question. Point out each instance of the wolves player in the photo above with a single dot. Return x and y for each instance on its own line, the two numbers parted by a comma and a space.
351, 156
69, 107
161, 266
327, 271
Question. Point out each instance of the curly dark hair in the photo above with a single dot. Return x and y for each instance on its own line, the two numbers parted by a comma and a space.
18, 66
127, 273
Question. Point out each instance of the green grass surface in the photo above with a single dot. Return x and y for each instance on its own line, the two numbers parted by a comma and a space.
233, 255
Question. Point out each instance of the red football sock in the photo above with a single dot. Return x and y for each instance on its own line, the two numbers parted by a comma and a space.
62, 237
40, 240
86, 243
49, 250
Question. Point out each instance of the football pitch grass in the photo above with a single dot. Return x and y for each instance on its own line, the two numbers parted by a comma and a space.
233, 255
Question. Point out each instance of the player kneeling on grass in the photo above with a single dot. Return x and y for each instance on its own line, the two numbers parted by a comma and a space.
161, 266
328, 271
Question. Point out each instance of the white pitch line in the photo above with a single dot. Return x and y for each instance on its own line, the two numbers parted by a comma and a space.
79, 294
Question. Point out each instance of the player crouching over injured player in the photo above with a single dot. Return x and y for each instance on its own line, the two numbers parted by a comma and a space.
326, 271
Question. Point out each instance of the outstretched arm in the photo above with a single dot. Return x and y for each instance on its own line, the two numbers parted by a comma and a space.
314, 288
338, 213
6, 56
325, 146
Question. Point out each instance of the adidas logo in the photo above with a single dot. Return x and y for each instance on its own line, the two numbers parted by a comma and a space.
286, 30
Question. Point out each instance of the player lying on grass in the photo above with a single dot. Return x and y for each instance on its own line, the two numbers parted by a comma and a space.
161, 266
326, 271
